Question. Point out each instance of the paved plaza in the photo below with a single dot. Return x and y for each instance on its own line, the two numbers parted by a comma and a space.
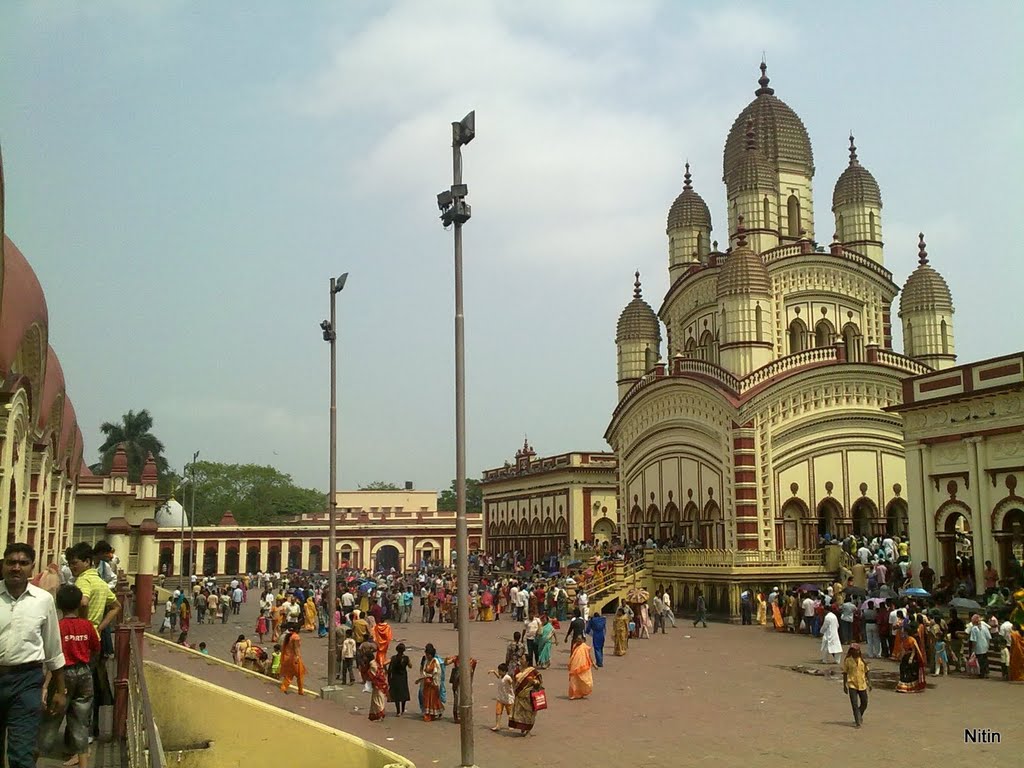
726, 693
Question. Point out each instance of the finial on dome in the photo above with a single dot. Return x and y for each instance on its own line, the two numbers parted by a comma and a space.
751, 143
853, 151
763, 81
922, 254
687, 177
714, 246
741, 234
637, 293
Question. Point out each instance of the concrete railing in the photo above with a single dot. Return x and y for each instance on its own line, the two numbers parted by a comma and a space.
730, 558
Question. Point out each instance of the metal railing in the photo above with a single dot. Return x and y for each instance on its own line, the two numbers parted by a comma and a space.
141, 747
631, 572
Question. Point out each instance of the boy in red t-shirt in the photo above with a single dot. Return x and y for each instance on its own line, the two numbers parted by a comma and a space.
80, 644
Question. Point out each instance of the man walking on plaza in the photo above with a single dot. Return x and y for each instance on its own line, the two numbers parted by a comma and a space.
28, 644
980, 638
702, 613
831, 646
658, 609
236, 599
856, 683
530, 636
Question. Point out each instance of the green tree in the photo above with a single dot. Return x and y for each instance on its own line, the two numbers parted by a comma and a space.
379, 485
135, 433
255, 494
447, 500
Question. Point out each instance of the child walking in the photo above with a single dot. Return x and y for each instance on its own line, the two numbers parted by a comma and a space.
505, 696
261, 625
80, 643
275, 661
348, 658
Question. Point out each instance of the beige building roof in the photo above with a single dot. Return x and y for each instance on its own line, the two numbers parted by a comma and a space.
637, 320
856, 184
782, 135
744, 272
925, 289
689, 209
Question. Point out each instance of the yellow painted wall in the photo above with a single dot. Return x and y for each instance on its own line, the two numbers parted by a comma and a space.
259, 744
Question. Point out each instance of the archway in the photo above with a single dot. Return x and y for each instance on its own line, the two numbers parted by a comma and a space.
387, 558
274, 559
797, 336
231, 562
210, 561
824, 333
712, 529
604, 530
956, 539
252, 560
294, 557
792, 515
897, 520
345, 553
315, 558
863, 513
167, 561
1010, 538
828, 514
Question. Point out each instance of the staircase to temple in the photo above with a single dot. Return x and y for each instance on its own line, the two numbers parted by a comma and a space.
624, 577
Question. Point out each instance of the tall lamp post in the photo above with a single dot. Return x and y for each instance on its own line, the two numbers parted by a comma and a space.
455, 210
192, 516
329, 327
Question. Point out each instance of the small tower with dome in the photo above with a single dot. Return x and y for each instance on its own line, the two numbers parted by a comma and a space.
688, 229
744, 291
857, 206
637, 339
754, 198
926, 310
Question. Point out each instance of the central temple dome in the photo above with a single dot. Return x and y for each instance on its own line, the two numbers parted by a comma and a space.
781, 135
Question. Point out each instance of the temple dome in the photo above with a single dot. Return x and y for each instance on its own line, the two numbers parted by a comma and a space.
782, 137
925, 289
856, 184
743, 273
689, 209
638, 321
171, 515
752, 171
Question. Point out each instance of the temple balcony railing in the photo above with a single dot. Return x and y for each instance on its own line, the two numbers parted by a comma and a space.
733, 559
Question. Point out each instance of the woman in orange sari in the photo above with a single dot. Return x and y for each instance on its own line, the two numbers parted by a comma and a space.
291, 659
276, 615
778, 624
430, 685
309, 615
1017, 655
898, 636
382, 635
912, 665
581, 679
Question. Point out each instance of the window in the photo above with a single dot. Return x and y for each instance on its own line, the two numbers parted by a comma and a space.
908, 342
766, 212
824, 334
757, 322
871, 225
793, 210
797, 336
852, 339
702, 245
945, 337
840, 229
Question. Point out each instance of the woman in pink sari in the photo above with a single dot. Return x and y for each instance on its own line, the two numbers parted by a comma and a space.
581, 679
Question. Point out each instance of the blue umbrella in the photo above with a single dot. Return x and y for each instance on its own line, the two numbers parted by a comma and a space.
367, 586
916, 592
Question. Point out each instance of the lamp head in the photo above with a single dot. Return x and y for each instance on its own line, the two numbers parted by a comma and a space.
465, 130
339, 282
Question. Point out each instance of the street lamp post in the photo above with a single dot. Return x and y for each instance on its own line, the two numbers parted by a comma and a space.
329, 327
192, 516
455, 210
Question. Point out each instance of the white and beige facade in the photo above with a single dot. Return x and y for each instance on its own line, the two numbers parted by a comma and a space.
375, 529
964, 431
541, 505
765, 422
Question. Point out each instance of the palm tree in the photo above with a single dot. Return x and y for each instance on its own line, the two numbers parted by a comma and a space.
134, 434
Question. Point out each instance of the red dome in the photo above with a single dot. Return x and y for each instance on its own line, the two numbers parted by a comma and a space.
21, 306
53, 387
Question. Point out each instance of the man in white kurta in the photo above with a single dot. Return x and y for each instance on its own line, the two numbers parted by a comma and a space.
831, 646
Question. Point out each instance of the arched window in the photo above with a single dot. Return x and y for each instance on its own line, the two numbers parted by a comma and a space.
707, 347
945, 337
908, 341
824, 333
721, 326
852, 339
793, 215
766, 211
840, 230
650, 358
797, 336
702, 245
759, 335
871, 226
691, 347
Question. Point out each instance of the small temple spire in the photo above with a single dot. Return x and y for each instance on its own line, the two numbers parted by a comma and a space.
853, 151
637, 293
687, 177
922, 254
763, 81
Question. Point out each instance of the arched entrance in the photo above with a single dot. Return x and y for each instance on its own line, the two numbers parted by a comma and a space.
274, 559
1010, 540
231, 561
828, 515
712, 529
956, 539
167, 561
604, 530
315, 558
294, 557
252, 560
386, 558
792, 515
210, 561
897, 521
863, 513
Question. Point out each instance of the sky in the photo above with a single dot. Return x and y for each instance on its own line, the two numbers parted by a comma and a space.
186, 177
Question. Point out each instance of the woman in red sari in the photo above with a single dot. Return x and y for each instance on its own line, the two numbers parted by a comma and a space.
378, 677
581, 679
430, 685
523, 714
912, 665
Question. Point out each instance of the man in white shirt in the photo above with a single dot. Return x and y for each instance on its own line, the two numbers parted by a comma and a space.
808, 608
530, 635
513, 601
980, 637
28, 645
583, 603
864, 554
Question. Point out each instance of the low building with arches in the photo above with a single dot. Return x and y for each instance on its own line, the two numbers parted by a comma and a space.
539, 505
375, 529
964, 430
41, 443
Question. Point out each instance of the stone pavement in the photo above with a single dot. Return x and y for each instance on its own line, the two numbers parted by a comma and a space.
726, 693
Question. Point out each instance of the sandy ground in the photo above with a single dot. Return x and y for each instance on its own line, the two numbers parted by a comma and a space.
726, 693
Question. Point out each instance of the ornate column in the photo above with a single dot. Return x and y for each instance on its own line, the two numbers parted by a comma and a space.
149, 556
264, 554
304, 561
118, 532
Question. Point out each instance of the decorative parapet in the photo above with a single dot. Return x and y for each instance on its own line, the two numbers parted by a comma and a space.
726, 559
